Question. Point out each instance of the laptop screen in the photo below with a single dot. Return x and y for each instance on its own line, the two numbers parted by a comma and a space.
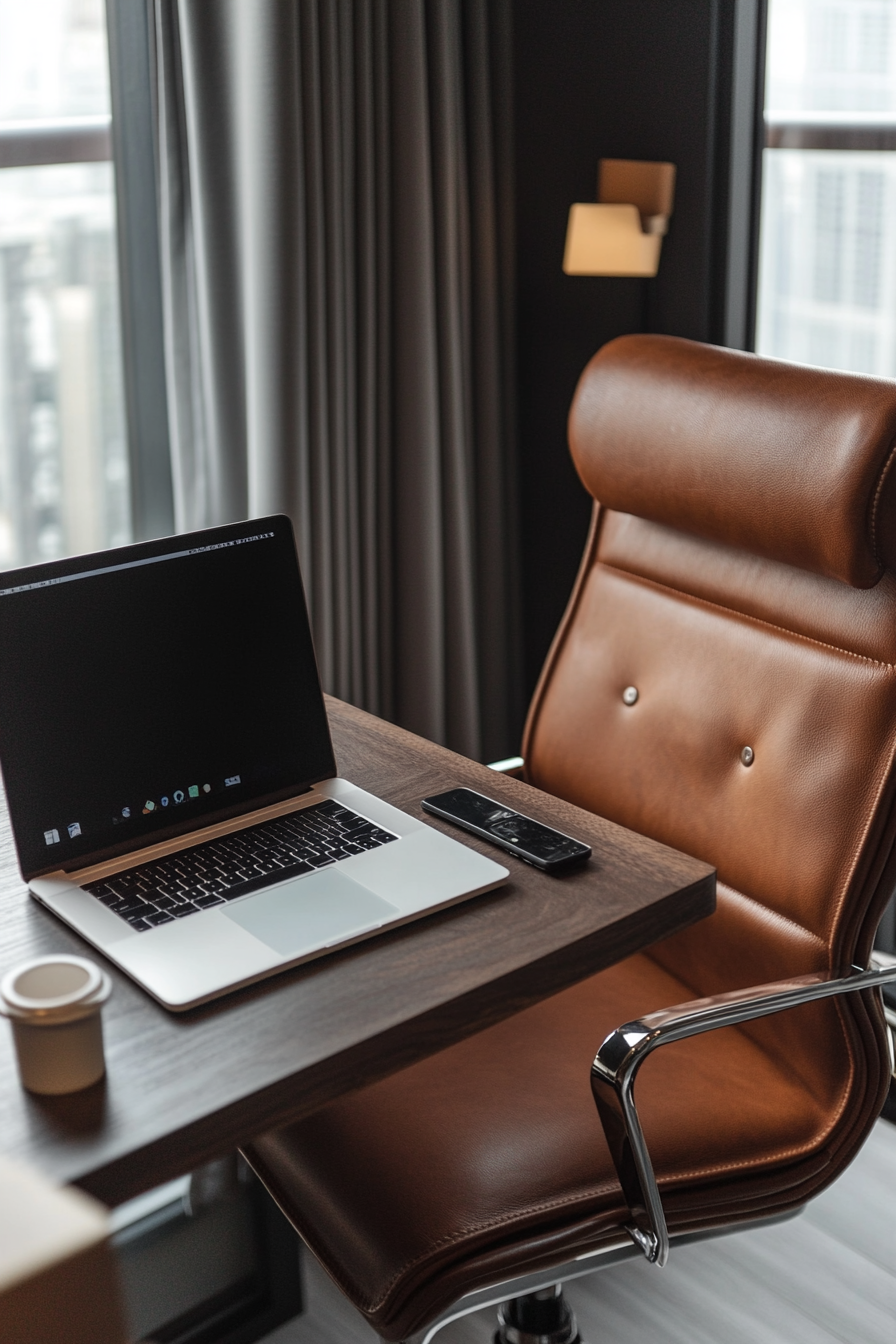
149, 690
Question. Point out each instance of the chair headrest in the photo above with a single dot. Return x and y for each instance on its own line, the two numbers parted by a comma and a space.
792, 463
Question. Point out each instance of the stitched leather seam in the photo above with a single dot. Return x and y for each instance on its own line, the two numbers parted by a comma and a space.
816, 938
756, 620
889, 667
695, 1173
885, 775
877, 494
558, 643
798, 1150
776, 914
500, 1221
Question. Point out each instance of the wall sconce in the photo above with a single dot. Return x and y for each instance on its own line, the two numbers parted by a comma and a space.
623, 233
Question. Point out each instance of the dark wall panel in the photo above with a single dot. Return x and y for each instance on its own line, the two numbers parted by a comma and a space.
604, 79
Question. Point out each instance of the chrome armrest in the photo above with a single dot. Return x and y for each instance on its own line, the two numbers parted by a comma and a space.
512, 766
624, 1051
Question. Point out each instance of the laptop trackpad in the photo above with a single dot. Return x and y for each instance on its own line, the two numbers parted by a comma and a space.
310, 912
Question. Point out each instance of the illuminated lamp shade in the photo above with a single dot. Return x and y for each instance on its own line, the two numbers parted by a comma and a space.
609, 240
622, 234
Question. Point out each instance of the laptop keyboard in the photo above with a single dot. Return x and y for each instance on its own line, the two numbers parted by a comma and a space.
233, 865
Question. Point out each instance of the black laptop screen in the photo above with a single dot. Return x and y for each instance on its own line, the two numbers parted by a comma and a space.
148, 690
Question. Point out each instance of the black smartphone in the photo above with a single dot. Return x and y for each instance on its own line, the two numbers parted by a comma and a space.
530, 840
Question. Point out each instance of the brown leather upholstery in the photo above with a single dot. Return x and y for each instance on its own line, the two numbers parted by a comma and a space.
488, 1159
703, 453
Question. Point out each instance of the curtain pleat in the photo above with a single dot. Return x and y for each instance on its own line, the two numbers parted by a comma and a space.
337, 336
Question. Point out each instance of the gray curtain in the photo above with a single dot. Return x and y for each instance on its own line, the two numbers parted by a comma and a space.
334, 224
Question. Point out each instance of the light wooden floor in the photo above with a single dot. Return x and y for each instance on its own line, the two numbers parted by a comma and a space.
827, 1277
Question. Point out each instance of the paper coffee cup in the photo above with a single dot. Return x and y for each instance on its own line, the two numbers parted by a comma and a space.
54, 1005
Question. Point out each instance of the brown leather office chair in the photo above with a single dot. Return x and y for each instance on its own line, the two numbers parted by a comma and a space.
724, 680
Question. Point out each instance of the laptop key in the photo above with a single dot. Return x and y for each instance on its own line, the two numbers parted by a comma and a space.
188, 908
133, 907
123, 882
109, 898
160, 917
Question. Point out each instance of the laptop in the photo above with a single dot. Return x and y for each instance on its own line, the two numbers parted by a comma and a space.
170, 775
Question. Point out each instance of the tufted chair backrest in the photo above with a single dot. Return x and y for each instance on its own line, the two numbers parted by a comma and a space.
724, 679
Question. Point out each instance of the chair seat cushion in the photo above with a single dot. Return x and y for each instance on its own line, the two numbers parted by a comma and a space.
490, 1158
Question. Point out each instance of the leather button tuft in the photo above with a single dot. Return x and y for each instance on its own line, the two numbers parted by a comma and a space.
746, 756
630, 695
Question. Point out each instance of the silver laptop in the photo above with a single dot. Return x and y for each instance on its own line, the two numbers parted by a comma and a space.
170, 775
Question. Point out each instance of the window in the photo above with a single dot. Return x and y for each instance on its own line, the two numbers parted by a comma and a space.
827, 272
64, 477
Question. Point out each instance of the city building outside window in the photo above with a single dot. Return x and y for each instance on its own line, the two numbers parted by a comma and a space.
64, 477
827, 275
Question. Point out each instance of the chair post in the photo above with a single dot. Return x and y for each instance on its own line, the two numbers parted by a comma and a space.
544, 1317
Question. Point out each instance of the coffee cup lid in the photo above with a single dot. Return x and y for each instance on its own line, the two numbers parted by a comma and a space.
53, 989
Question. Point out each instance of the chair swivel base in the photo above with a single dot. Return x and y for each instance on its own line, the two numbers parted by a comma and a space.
544, 1317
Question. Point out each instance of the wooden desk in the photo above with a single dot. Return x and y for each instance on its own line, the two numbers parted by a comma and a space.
183, 1088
